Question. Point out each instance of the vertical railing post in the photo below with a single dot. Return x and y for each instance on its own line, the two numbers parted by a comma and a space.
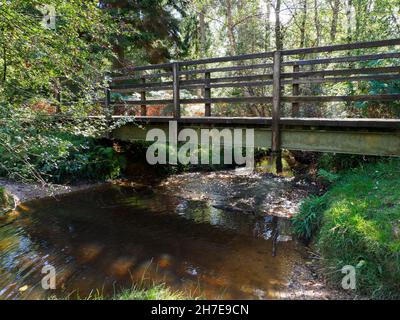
295, 92
58, 98
107, 105
177, 103
143, 107
207, 94
276, 155
57, 95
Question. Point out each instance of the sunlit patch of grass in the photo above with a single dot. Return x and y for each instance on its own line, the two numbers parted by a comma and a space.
357, 222
136, 292
158, 292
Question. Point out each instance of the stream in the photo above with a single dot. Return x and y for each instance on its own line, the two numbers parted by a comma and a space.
223, 235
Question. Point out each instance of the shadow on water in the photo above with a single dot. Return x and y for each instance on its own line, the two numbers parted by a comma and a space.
195, 236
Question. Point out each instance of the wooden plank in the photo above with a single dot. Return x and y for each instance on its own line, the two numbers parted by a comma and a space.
390, 124
176, 91
207, 94
380, 56
379, 97
140, 102
295, 92
228, 69
342, 47
149, 67
343, 79
107, 103
143, 107
265, 99
145, 76
262, 99
251, 56
324, 73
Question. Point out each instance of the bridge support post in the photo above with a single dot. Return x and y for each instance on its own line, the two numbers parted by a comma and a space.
207, 94
177, 103
276, 151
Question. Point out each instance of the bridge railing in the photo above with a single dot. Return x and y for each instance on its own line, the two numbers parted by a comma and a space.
279, 75
177, 76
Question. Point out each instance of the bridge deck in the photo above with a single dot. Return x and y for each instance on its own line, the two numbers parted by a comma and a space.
260, 121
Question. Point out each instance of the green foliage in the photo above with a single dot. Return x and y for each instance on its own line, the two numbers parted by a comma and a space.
360, 226
35, 148
37, 61
309, 218
328, 176
330, 162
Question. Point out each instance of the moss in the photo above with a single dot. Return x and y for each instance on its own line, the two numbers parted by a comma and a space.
359, 220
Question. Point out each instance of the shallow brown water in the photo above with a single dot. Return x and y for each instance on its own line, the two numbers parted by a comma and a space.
202, 233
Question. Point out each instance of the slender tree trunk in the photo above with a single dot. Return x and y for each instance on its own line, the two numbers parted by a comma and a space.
202, 26
267, 44
230, 25
349, 17
317, 23
4, 54
303, 25
278, 29
335, 16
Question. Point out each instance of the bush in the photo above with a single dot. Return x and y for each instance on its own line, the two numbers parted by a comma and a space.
34, 147
341, 162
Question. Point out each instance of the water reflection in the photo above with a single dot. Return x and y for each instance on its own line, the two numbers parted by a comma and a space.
112, 236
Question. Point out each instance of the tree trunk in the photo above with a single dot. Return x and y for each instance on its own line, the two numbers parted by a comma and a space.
278, 31
303, 25
317, 23
267, 44
230, 25
349, 17
335, 16
202, 26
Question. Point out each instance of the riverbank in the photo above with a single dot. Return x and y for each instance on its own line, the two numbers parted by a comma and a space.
357, 223
22, 192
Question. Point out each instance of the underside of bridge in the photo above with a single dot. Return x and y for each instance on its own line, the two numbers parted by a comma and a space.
350, 136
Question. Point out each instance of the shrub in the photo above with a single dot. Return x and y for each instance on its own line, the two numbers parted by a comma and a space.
38, 148
309, 218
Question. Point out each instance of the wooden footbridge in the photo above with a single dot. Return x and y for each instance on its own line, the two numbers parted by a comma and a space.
279, 79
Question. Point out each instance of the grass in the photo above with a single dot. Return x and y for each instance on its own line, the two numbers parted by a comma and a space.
158, 291
357, 222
